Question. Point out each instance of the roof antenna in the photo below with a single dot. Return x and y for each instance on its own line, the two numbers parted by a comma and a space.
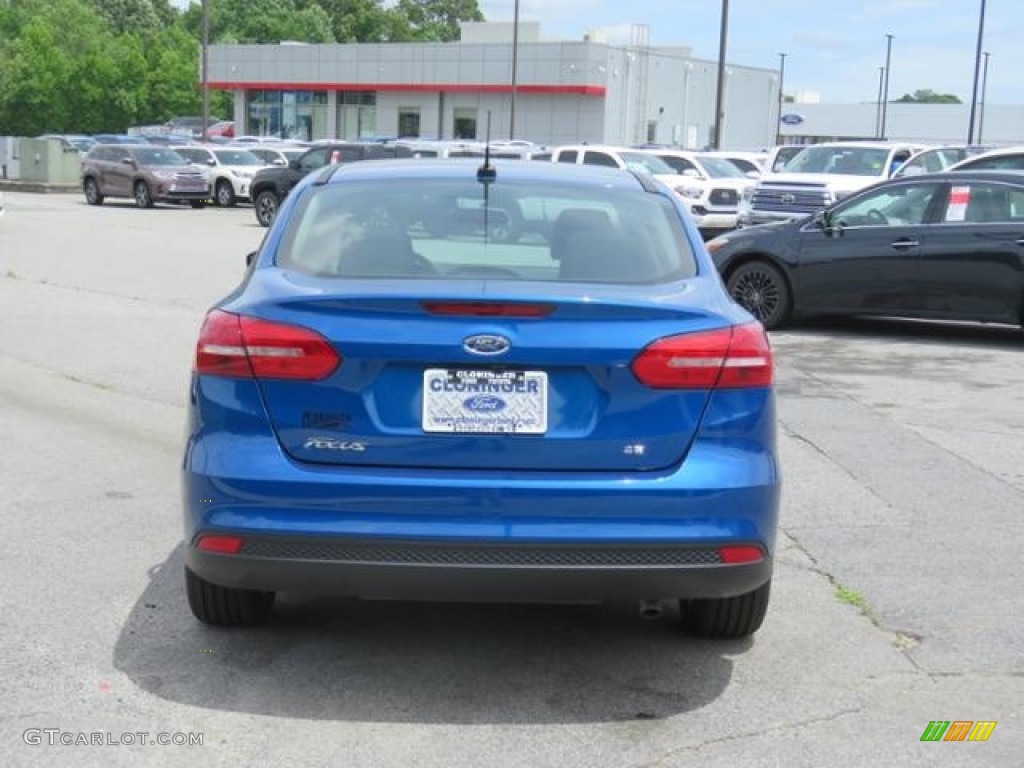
486, 172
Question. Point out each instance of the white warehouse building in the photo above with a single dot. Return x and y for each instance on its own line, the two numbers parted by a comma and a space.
564, 92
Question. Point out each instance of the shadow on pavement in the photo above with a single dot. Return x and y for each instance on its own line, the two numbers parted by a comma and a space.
976, 335
338, 659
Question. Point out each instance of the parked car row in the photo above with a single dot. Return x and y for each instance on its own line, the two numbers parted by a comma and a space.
151, 173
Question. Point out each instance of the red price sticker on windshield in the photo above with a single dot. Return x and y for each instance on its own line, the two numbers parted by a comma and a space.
959, 197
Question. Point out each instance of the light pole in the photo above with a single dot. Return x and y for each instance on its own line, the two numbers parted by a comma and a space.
205, 76
515, 61
782, 80
878, 104
885, 94
977, 66
984, 88
720, 90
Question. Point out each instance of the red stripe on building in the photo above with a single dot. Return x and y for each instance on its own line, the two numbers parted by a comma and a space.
561, 90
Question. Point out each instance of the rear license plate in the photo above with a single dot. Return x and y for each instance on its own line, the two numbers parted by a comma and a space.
488, 402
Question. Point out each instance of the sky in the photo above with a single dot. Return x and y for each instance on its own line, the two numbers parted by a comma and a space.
833, 47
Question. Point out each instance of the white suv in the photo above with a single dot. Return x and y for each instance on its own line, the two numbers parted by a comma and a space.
229, 170
627, 159
820, 175
713, 189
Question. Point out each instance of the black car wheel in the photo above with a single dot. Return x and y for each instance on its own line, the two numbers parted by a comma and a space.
727, 617
266, 207
224, 606
143, 198
761, 289
224, 194
92, 192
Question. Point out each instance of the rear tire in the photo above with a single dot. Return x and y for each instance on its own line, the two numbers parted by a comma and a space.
265, 205
224, 606
143, 197
224, 194
762, 290
727, 617
92, 191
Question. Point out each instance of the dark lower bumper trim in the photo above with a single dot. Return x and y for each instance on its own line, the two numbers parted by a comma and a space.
479, 572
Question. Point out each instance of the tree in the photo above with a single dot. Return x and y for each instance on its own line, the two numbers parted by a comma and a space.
438, 20
124, 16
104, 65
927, 96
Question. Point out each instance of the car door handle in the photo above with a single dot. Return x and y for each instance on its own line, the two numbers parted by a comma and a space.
903, 245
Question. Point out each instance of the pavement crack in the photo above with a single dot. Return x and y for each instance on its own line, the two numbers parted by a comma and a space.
752, 734
794, 434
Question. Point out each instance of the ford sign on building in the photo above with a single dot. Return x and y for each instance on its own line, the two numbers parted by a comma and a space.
792, 119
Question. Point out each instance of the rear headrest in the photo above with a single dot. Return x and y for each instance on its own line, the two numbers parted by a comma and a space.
573, 222
378, 254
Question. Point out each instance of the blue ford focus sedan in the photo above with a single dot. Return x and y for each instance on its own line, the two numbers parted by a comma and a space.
452, 380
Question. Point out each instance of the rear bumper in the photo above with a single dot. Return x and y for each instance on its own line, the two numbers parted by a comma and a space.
416, 570
497, 534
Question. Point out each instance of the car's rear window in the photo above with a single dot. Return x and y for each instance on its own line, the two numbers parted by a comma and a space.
509, 229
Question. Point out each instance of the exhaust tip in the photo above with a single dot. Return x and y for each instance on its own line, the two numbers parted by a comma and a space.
651, 609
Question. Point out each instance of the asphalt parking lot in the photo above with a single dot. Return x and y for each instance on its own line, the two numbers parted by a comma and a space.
896, 599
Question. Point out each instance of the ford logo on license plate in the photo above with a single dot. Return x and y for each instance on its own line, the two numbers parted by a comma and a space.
484, 404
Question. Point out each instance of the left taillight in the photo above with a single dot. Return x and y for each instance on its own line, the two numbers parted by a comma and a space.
737, 357
242, 347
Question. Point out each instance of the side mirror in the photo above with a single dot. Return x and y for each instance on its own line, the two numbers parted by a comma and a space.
279, 161
210, 161
251, 257
752, 175
823, 221
693, 173
128, 161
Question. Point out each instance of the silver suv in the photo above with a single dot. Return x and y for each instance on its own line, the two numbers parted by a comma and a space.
145, 173
820, 175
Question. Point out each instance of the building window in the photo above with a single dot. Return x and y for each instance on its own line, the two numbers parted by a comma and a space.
464, 123
358, 98
357, 115
286, 114
652, 131
409, 122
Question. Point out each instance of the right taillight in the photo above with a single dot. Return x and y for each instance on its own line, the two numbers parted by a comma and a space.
727, 358
242, 347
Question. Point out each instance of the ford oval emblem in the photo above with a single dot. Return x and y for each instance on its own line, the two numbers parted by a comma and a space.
484, 404
792, 119
486, 344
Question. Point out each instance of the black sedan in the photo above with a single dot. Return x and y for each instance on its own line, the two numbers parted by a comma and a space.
946, 246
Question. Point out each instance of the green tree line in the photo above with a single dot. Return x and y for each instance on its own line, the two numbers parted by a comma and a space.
928, 96
91, 66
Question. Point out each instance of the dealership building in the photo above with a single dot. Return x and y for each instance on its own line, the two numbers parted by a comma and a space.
562, 92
